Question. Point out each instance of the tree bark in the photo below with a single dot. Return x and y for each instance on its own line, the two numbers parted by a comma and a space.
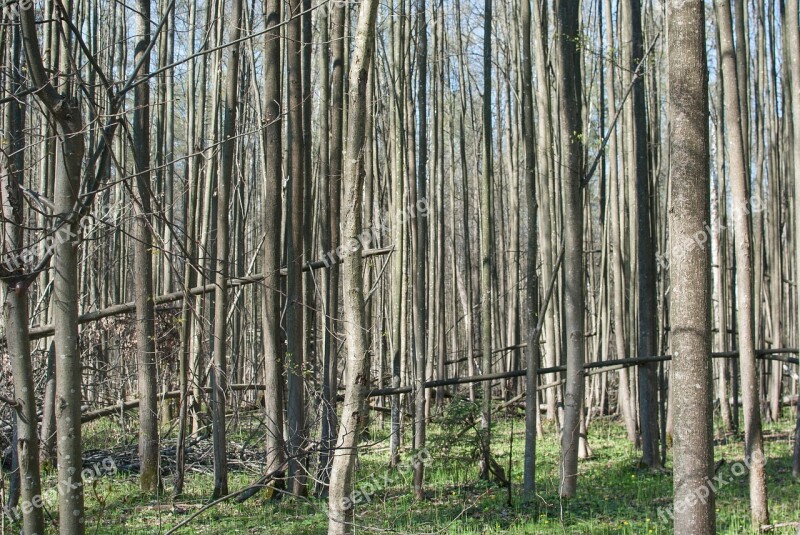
149, 474
486, 238
25, 440
567, 62
295, 331
690, 268
793, 40
340, 507
739, 177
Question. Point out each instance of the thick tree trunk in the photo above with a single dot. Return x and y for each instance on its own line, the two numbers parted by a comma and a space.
70, 148
690, 268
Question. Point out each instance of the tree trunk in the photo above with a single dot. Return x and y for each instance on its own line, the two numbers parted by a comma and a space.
690, 268
645, 239
420, 247
567, 62
219, 370
25, 439
273, 181
739, 176
149, 474
793, 40
340, 507
295, 331
486, 238
532, 301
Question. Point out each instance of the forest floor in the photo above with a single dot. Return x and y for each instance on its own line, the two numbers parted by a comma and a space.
614, 495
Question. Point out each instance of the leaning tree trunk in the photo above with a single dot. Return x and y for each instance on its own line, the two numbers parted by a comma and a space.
357, 365
567, 57
690, 298
739, 178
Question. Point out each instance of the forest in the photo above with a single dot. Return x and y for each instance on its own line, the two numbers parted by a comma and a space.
400, 266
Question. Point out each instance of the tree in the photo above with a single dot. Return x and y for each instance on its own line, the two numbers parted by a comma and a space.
645, 243
792, 20
690, 298
486, 238
532, 302
739, 178
273, 179
70, 148
419, 244
295, 331
340, 507
149, 474
219, 369
567, 56
15, 303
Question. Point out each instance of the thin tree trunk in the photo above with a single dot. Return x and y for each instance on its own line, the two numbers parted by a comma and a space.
486, 237
739, 174
793, 40
273, 180
149, 473
340, 507
532, 301
219, 370
295, 331
419, 245
567, 62
25, 440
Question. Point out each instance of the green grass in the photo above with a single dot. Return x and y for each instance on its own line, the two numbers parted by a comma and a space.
614, 494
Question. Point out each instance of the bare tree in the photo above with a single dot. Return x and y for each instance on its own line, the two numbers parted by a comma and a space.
486, 239
567, 56
16, 289
690, 296
739, 178
70, 148
793, 40
340, 508
149, 474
